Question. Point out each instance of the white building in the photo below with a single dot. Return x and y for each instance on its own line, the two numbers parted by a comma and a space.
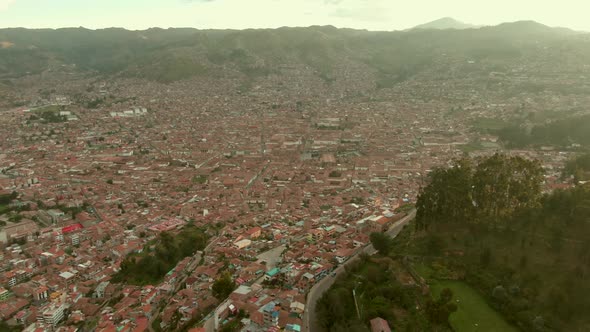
243, 243
51, 314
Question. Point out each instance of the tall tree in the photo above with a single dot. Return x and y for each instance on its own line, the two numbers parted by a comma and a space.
502, 184
380, 242
223, 286
447, 197
497, 187
438, 311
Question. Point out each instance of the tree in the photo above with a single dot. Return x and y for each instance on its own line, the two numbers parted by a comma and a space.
150, 266
381, 242
495, 189
438, 311
435, 244
447, 197
485, 258
223, 286
499, 293
4, 327
335, 174
7, 198
577, 167
334, 308
502, 184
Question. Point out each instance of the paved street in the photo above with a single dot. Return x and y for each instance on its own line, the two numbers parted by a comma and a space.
309, 319
272, 257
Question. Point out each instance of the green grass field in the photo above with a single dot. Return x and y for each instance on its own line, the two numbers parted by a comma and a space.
50, 108
489, 124
473, 313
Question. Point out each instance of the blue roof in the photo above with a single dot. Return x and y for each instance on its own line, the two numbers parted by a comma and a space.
273, 272
293, 327
270, 306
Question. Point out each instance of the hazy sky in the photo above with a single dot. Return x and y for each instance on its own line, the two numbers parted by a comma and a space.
239, 14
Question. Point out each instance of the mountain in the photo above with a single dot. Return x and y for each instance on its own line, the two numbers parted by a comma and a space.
384, 59
445, 23
533, 28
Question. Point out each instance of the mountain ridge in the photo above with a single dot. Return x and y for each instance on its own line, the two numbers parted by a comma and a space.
169, 55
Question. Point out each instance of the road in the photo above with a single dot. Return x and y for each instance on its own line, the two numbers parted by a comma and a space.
272, 257
309, 319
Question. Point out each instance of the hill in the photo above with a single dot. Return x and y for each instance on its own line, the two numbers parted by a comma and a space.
385, 58
520, 263
445, 23
522, 251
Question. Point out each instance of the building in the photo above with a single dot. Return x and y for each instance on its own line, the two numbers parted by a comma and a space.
243, 243
293, 328
317, 234
51, 314
75, 239
379, 325
297, 307
254, 233
168, 225
18, 230
270, 314
56, 215
4, 294
41, 294
68, 277
10, 278
271, 274
100, 290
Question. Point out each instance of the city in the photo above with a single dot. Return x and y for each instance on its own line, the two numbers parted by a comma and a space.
129, 204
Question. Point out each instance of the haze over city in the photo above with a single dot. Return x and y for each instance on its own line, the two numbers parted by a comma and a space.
383, 15
312, 176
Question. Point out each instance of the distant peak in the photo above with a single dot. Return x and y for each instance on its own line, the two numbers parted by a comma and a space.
447, 19
445, 23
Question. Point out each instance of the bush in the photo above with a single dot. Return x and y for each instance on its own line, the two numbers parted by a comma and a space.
335, 174
435, 244
485, 258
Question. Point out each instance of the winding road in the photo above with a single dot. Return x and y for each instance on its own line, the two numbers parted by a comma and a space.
309, 318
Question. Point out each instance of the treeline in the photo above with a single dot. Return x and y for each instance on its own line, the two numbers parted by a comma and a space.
528, 254
564, 132
579, 168
484, 191
157, 259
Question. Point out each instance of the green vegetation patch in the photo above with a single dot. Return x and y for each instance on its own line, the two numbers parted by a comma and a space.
5, 200
563, 133
200, 179
160, 257
579, 168
378, 293
487, 124
527, 256
48, 114
473, 313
